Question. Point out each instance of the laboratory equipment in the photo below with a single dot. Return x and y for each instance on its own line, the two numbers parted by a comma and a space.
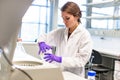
97, 65
91, 75
36, 69
11, 13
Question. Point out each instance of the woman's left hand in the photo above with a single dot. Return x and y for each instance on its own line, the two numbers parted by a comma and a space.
49, 57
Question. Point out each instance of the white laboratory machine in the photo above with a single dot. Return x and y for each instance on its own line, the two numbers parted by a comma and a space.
24, 66
11, 13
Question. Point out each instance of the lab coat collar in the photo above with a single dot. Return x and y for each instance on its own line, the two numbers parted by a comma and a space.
78, 29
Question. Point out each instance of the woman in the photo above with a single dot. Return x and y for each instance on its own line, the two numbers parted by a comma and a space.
73, 43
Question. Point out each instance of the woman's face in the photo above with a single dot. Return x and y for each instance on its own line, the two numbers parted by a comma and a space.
69, 20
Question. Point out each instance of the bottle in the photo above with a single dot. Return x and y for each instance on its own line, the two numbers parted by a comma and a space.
19, 50
91, 75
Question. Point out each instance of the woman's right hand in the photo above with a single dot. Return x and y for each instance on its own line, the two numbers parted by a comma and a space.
43, 47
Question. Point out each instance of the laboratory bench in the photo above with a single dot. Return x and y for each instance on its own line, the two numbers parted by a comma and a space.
109, 48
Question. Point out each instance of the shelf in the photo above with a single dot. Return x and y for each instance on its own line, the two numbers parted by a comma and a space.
104, 4
102, 17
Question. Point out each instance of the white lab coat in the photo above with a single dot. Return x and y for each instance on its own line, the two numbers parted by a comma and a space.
75, 51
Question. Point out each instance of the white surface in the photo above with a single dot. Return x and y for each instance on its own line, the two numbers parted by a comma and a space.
71, 76
109, 46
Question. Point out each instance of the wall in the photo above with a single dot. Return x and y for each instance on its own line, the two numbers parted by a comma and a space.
103, 32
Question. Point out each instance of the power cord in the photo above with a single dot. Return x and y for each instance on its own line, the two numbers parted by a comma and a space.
90, 63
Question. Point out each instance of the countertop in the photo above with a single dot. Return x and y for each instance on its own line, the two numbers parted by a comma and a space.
108, 46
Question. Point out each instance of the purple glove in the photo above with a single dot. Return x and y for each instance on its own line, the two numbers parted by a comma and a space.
43, 46
49, 57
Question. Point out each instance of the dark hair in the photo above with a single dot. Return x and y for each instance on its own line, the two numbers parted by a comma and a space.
73, 9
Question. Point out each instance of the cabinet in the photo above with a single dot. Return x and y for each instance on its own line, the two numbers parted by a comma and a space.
117, 70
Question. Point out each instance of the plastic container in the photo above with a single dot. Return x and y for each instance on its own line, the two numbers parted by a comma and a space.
91, 75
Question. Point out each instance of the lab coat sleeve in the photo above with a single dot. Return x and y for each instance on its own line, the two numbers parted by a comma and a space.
50, 38
82, 56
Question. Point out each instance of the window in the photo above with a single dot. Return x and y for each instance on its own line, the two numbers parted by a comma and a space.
35, 20
79, 2
102, 12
